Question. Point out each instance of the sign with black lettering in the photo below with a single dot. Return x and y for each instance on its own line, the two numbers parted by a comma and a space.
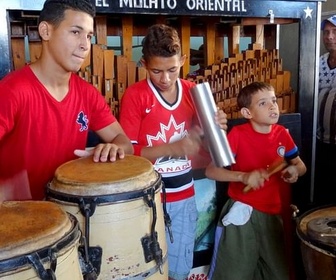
241, 8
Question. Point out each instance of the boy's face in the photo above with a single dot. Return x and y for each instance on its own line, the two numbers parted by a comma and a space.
164, 71
69, 43
264, 108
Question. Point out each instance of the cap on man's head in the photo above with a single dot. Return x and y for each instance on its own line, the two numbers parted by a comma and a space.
331, 19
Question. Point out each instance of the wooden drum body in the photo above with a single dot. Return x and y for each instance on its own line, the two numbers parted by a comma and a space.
317, 232
118, 206
38, 240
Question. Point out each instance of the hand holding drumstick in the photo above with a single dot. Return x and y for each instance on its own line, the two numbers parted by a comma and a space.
275, 169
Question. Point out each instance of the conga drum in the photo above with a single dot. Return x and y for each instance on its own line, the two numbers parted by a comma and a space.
118, 206
317, 232
38, 240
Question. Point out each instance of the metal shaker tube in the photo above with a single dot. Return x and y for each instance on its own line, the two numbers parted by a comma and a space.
206, 108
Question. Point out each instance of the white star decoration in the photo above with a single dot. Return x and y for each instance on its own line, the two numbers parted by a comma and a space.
308, 12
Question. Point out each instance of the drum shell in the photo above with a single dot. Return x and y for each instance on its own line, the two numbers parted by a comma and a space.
66, 256
319, 259
118, 226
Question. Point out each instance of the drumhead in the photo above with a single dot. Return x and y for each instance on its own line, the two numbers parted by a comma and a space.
83, 177
30, 225
315, 226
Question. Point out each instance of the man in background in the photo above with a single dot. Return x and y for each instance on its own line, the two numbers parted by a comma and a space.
325, 163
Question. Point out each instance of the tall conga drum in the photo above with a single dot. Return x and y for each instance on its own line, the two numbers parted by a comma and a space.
38, 240
118, 206
317, 232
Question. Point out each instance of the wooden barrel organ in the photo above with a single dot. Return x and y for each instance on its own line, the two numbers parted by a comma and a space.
112, 69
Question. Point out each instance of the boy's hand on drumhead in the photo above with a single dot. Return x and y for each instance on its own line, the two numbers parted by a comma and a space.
84, 153
102, 152
107, 152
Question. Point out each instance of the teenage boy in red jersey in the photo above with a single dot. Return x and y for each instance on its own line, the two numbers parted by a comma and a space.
158, 116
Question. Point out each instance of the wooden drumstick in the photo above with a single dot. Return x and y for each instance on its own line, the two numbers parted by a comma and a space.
271, 172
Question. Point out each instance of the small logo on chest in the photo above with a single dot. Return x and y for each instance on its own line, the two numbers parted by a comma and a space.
149, 109
82, 121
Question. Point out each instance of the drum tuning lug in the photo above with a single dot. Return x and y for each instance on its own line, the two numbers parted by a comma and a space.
87, 207
166, 216
43, 273
157, 254
51, 274
328, 235
170, 232
167, 221
91, 276
90, 260
295, 210
152, 250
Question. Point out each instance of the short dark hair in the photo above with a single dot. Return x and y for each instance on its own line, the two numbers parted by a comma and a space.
53, 10
161, 40
244, 98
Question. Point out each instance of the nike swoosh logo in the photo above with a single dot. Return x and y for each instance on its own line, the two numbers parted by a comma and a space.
149, 109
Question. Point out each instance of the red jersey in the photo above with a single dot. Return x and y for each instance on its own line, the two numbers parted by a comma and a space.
39, 133
148, 120
255, 150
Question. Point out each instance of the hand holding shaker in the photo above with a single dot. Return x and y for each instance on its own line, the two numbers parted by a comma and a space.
219, 147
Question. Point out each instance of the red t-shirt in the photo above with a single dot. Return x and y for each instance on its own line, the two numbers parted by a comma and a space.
39, 133
148, 120
255, 150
